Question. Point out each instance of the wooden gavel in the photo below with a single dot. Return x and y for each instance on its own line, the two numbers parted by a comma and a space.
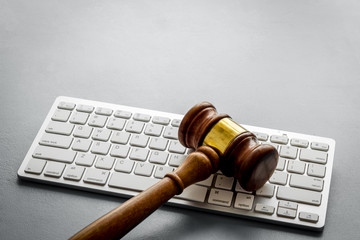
220, 144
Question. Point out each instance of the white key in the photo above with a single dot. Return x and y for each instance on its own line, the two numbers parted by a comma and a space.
143, 169
207, 182
82, 145
176, 160
79, 117
55, 140
313, 156
175, 122
96, 176
160, 171
66, 105
104, 162
224, 182
220, 197
122, 114
320, 146
134, 126
73, 173
116, 124
120, 151
139, 154
261, 136
266, 209
100, 148
316, 170
55, 154
35, 166
306, 182
238, 188
244, 201
288, 152
299, 142
158, 157
299, 195
281, 164
309, 217
139, 140
176, 147
285, 212
161, 120
193, 193
296, 167
288, 204
171, 132
85, 108
103, 111
54, 169
124, 165
158, 143
61, 115
101, 134
97, 121
281, 139
59, 128
85, 159
120, 137
279, 178
82, 131
266, 191
153, 129
142, 117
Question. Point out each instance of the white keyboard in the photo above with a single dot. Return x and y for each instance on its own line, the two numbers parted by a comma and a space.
121, 150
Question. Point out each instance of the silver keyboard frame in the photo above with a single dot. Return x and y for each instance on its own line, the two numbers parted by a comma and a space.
320, 210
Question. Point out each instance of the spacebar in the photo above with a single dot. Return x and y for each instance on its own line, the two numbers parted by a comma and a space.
140, 183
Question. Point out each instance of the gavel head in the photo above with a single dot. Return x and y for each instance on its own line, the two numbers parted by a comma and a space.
241, 155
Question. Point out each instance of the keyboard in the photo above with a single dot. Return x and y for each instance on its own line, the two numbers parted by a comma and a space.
121, 150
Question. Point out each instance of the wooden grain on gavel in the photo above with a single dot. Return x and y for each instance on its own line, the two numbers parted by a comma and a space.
220, 143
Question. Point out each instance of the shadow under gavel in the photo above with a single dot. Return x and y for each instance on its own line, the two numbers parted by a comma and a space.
220, 144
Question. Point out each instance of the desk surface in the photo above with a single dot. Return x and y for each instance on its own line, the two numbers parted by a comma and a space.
290, 65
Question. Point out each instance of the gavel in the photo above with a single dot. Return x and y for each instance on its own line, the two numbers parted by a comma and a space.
220, 144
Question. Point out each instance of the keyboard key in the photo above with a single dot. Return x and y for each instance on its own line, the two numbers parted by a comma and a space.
161, 120
279, 178
299, 142
55, 154
288, 204
266, 191
79, 118
131, 182
288, 152
122, 114
171, 132
124, 165
97, 121
285, 212
134, 127
96, 176
101, 134
161, 171
158, 143
153, 129
244, 201
281, 164
320, 146
144, 169
120, 137
176, 160
158, 157
299, 195
266, 209
176, 147
220, 197
66, 105
309, 217
85, 108
83, 131
120, 151
139, 154
85, 159
61, 115
55, 140
175, 122
313, 156
100, 148
103, 111
116, 124
104, 162
281, 139
238, 188
74, 173
139, 140
82, 145
316, 170
224, 182
193, 193
306, 182
54, 169
59, 128
261, 136
141, 117
35, 166
296, 167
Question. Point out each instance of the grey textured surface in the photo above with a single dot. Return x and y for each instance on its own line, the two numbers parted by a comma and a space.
290, 65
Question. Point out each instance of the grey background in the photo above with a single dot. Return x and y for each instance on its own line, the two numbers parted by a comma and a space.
290, 65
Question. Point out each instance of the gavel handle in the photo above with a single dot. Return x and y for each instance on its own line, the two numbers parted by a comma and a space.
197, 166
